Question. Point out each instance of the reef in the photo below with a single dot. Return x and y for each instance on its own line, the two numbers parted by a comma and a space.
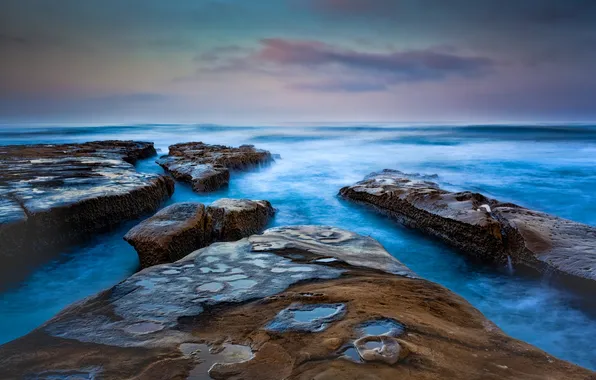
301, 302
52, 196
484, 228
207, 167
182, 228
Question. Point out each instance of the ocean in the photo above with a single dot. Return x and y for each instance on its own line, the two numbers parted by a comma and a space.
547, 168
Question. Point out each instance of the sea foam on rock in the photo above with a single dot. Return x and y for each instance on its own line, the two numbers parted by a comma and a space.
55, 195
160, 321
207, 167
484, 228
182, 228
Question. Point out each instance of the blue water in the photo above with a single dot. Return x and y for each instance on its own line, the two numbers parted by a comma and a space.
552, 169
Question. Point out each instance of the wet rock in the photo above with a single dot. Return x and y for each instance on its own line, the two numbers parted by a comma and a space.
207, 167
482, 227
171, 234
381, 348
56, 195
329, 242
182, 228
167, 320
235, 219
271, 362
312, 318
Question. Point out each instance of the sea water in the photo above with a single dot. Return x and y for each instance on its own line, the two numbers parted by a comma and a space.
547, 168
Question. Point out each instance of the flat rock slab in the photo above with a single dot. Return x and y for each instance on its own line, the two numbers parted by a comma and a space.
56, 195
481, 227
207, 167
182, 228
207, 316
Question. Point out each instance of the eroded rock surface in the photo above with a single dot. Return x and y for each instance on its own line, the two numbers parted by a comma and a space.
207, 316
235, 219
54, 195
207, 167
182, 228
481, 227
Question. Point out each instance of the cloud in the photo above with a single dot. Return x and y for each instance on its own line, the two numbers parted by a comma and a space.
140, 97
321, 67
64, 104
6, 39
341, 86
408, 65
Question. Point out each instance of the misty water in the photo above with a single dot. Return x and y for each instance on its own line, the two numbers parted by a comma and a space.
551, 169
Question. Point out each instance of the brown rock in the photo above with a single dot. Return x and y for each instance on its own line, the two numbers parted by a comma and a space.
171, 234
57, 195
145, 321
234, 219
481, 227
182, 228
207, 167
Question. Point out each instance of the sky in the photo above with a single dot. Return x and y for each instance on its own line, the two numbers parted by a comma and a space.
276, 61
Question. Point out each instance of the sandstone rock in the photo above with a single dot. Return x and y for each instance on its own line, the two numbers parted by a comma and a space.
160, 321
171, 234
56, 195
481, 227
207, 167
382, 348
234, 219
182, 228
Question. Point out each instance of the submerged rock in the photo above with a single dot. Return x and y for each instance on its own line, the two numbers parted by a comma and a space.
56, 195
212, 309
182, 228
207, 167
482, 227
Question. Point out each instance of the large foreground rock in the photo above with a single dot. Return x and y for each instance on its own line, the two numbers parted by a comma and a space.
182, 228
55, 195
294, 303
481, 227
207, 167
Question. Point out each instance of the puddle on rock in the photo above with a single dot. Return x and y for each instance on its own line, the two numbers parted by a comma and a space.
351, 354
231, 353
144, 328
326, 260
219, 268
242, 284
312, 318
84, 374
232, 277
311, 315
373, 344
212, 287
384, 326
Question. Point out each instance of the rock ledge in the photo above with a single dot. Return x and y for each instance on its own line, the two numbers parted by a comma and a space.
484, 228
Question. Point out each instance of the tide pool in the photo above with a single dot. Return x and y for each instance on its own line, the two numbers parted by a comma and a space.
551, 169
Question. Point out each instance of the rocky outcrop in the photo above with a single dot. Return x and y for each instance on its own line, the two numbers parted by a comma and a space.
234, 219
182, 228
484, 228
282, 305
207, 167
55, 195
